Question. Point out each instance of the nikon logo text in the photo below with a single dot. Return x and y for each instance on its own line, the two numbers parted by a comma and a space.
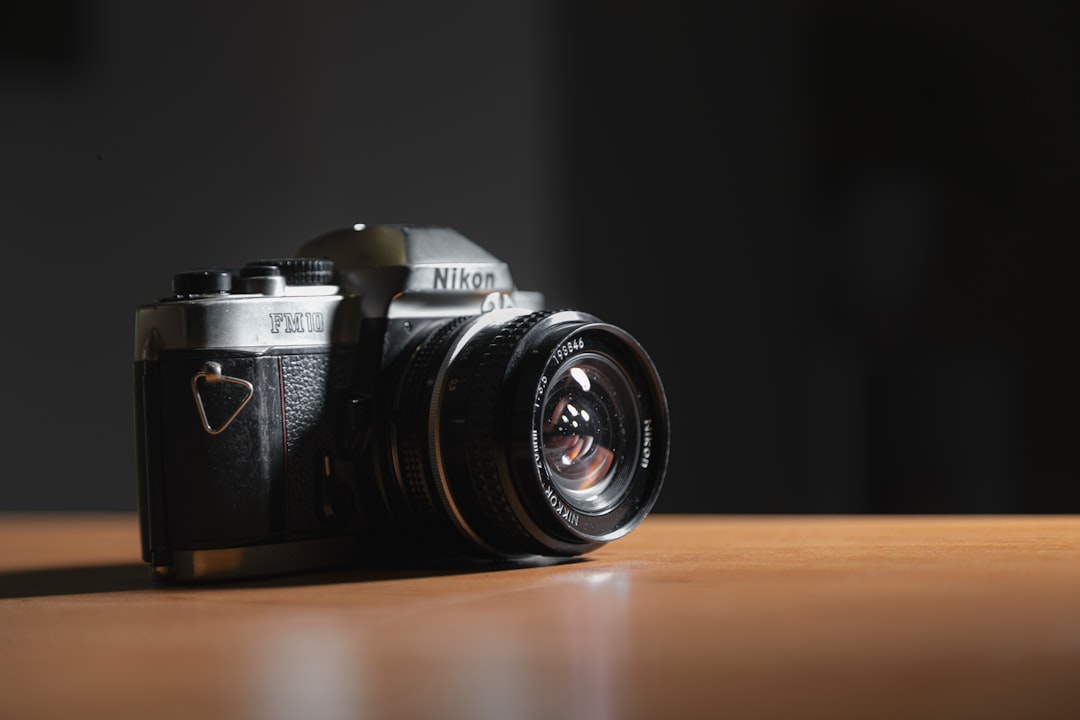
459, 278
646, 444
560, 507
296, 322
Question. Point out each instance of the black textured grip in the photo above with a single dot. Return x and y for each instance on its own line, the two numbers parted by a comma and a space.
308, 437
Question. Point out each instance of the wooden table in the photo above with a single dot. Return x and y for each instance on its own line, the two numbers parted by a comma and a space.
688, 616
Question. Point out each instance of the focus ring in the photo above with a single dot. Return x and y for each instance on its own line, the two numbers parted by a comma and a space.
481, 412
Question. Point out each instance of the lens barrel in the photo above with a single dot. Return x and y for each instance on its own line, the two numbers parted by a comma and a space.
526, 433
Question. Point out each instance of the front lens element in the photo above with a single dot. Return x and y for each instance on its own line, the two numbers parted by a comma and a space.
589, 432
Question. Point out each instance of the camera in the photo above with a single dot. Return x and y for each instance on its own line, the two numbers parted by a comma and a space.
387, 392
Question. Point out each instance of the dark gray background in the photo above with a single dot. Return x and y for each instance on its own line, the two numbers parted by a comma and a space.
843, 230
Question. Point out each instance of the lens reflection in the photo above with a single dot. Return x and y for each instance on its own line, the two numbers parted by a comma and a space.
588, 431
580, 461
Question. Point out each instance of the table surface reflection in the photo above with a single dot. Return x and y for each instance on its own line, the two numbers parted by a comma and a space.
688, 616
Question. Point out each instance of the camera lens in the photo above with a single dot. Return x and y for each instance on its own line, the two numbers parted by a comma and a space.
524, 433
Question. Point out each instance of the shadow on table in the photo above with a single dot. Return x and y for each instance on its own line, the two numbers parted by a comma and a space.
73, 580
135, 576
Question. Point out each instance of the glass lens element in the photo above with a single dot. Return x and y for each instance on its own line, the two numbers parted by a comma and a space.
589, 432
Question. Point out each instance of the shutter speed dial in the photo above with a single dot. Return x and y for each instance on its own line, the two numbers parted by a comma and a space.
299, 271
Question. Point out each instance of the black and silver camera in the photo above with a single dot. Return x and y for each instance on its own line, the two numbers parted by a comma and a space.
387, 390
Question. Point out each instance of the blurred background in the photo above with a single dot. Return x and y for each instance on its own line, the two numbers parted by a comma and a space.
843, 230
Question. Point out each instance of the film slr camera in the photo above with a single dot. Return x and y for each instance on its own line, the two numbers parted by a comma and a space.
386, 392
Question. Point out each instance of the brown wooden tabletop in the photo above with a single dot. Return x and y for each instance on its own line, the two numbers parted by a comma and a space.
688, 616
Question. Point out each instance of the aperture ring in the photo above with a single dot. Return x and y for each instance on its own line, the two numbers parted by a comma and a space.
411, 425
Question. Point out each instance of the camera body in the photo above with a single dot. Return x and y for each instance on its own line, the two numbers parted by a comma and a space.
388, 391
